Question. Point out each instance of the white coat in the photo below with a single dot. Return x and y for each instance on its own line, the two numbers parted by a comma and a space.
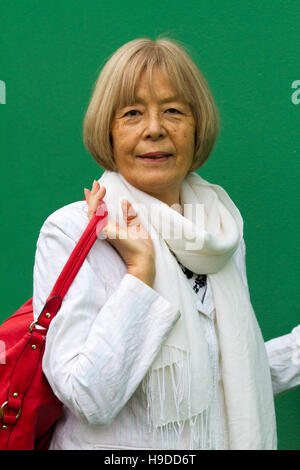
105, 337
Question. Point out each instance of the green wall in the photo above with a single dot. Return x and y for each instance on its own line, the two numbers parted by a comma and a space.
50, 56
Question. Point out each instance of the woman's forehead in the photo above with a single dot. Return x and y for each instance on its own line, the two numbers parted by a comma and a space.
154, 82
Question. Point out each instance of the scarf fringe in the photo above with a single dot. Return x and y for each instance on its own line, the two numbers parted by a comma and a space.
193, 433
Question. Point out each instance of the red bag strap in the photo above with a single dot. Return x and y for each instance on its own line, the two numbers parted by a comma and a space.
72, 266
33, 341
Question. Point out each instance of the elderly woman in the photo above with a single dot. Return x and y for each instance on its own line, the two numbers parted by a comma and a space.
156, 345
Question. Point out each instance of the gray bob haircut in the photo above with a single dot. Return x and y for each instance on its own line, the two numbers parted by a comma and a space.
116, 87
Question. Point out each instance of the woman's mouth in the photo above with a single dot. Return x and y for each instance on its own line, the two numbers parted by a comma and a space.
155, 158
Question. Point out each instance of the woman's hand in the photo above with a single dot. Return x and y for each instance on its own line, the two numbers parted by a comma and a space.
132, 242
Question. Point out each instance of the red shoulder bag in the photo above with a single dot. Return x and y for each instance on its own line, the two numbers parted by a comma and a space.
28, 407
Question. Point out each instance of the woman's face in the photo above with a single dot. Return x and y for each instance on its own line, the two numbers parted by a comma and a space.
164, 125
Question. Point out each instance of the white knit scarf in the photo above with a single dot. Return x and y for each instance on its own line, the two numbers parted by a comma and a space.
179, 383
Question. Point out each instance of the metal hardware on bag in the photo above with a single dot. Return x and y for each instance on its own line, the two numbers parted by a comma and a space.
1, 409
15, 395
32, 326
33, 346
4, 427
3, 406
47, 315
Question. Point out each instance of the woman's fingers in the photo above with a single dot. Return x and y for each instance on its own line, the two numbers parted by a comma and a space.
94, 197
129, 214
87, 194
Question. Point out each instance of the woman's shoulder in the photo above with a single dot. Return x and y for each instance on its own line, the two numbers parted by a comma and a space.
71, 219
59, 234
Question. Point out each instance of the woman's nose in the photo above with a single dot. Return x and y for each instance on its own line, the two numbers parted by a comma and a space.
154, 127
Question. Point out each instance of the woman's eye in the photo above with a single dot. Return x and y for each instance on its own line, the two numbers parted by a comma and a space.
173, 111
132, 113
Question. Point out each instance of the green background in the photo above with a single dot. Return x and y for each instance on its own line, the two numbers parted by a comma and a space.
50, 55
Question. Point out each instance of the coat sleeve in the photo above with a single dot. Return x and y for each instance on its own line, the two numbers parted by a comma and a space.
284, 359
99, 346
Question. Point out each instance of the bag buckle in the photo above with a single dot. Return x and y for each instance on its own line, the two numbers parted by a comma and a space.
32, 326
2, 414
